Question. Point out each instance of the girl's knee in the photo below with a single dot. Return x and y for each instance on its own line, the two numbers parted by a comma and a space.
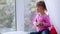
45, 32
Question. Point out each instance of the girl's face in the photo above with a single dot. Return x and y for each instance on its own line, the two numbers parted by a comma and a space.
40, 9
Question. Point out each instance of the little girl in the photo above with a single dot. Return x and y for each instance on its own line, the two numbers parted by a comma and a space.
41, 21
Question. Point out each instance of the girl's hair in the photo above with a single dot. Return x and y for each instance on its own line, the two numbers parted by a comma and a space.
41, 3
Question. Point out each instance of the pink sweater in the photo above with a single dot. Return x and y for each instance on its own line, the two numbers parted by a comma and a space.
45, 19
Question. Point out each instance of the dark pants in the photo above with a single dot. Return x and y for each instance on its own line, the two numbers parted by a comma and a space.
41, 32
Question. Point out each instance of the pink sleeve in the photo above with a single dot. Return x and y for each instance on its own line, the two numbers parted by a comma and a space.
35, 20
46, 22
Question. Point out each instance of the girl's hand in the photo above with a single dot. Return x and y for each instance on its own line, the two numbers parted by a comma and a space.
39, 24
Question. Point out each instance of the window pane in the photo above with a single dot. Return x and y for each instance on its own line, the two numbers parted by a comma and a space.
28, 14
7, 15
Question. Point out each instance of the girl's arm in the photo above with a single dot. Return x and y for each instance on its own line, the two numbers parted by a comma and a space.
46, 22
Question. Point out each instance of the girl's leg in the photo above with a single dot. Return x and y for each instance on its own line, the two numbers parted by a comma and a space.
33, 32
45, 32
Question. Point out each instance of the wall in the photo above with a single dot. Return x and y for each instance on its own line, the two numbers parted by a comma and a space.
53, 7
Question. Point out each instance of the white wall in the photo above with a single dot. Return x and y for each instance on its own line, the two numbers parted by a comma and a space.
53, 7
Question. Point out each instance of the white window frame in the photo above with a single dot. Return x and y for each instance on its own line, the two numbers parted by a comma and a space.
20, 14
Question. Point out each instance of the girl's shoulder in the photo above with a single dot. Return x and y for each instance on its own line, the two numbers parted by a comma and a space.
46, 16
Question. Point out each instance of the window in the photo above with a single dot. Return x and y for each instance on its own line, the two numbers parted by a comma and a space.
7, 15
29, 7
